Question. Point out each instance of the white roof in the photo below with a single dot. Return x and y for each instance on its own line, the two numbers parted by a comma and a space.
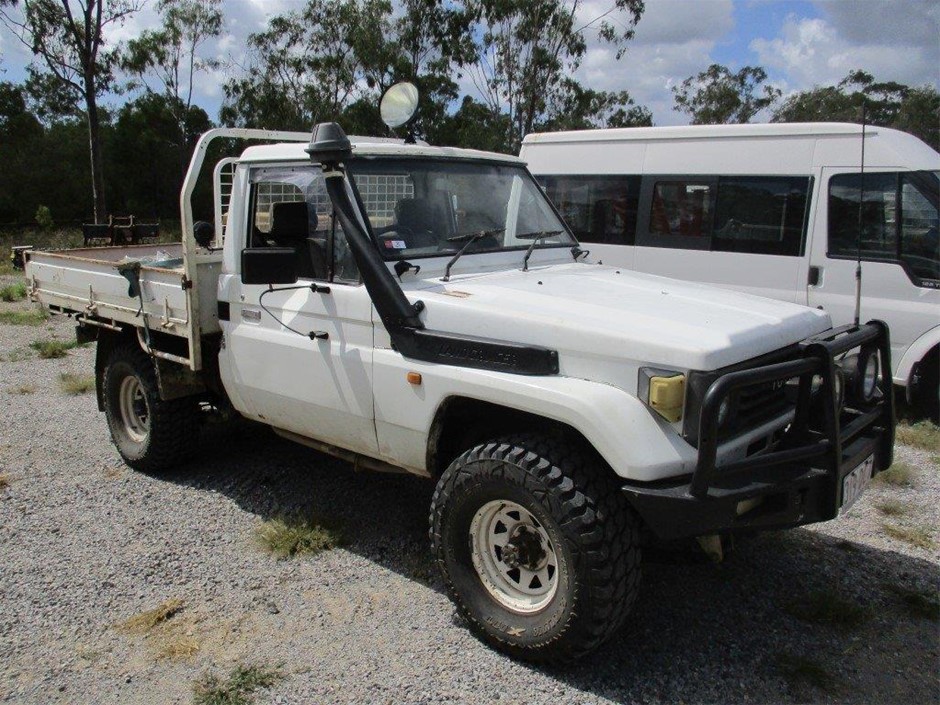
787, 129
371, 146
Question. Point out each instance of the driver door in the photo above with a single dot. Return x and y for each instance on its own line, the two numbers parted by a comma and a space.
320, 388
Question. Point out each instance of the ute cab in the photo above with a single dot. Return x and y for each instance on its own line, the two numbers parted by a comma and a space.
426, 310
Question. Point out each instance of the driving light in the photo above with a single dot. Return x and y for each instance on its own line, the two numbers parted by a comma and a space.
868, 369
666, 396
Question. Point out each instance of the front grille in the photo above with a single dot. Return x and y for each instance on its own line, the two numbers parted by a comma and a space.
755, 405
751, 406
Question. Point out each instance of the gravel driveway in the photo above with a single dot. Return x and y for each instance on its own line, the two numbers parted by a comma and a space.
86, 544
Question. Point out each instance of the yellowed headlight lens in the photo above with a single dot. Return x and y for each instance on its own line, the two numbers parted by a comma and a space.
667, 395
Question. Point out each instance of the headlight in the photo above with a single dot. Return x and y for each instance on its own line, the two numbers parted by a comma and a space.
663, 391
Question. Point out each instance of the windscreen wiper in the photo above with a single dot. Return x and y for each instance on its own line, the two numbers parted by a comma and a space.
469, 239
535, 237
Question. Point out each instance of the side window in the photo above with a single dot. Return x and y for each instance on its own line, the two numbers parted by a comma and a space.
761, 215
601, 209
681, 208
290, 208
878, 237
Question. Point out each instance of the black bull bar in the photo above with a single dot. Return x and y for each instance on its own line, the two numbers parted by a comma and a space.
797, 481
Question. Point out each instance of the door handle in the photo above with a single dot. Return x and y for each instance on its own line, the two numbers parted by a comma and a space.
815, 276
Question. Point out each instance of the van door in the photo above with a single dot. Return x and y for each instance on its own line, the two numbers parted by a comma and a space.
737, 232
319, 388
897, 244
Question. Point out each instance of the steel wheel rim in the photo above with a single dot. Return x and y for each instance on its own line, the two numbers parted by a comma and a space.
503, 540
135, 411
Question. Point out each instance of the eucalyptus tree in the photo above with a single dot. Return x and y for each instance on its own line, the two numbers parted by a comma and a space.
529, 50
167, 60
72, 65
718, 96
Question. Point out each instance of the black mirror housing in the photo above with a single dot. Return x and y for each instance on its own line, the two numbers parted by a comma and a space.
269, 265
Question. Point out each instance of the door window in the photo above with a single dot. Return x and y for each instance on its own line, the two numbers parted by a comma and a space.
898, 219
290, 208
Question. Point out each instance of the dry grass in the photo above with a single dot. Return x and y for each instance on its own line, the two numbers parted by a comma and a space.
145, 621
32, 317
73, 384
799, 670
238, 689
828, 607
286, 537
892, 507
919, 604
167, 636
174, 643
919, 536
900, 475
23, 389
13, 292
923, 434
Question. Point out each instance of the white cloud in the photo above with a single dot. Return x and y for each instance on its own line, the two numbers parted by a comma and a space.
817, 51
674, 39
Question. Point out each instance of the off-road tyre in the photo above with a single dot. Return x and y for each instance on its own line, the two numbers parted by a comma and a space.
171, 432
596, 536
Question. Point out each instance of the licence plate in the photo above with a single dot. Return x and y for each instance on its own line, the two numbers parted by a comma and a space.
855, 482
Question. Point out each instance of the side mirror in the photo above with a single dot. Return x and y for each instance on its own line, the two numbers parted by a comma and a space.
269, 265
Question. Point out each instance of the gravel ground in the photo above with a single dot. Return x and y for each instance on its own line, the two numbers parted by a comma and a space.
86, 543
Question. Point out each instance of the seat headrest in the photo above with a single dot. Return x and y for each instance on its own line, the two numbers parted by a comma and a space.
289, 219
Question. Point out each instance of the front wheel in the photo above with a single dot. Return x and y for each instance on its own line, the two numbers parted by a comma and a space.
150, 433
538, 547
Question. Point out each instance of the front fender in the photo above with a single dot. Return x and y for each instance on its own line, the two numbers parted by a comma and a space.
634, 441
914, 354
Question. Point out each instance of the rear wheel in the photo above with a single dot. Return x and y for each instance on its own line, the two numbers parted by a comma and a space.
150, 433
538, 547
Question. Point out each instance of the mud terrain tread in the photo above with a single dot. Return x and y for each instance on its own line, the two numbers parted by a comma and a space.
174, 423
579, 490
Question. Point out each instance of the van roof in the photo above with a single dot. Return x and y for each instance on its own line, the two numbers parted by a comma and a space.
790, 129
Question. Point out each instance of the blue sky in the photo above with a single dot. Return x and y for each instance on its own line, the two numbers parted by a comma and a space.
800, 43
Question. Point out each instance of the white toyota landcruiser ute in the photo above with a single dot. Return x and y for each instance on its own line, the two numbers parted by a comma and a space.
426, 309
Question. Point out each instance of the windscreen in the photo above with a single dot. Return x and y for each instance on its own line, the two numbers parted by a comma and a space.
430, 208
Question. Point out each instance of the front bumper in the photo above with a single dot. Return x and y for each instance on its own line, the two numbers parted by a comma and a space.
799, 479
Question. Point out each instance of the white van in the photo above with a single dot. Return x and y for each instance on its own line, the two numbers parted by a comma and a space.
768, 209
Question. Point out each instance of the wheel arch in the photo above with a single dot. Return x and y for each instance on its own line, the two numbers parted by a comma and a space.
614, 424
925, 346
457, 426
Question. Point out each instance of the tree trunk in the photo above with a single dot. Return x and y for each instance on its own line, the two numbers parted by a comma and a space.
94, 146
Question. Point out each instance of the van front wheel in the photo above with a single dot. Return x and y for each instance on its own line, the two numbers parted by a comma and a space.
150, 433
538, 547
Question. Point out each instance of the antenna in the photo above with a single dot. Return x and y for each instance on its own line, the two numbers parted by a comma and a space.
858, 234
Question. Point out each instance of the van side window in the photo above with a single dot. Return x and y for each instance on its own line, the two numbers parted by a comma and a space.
290, 208
601, 209
899, 220
681, 208
761, 215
